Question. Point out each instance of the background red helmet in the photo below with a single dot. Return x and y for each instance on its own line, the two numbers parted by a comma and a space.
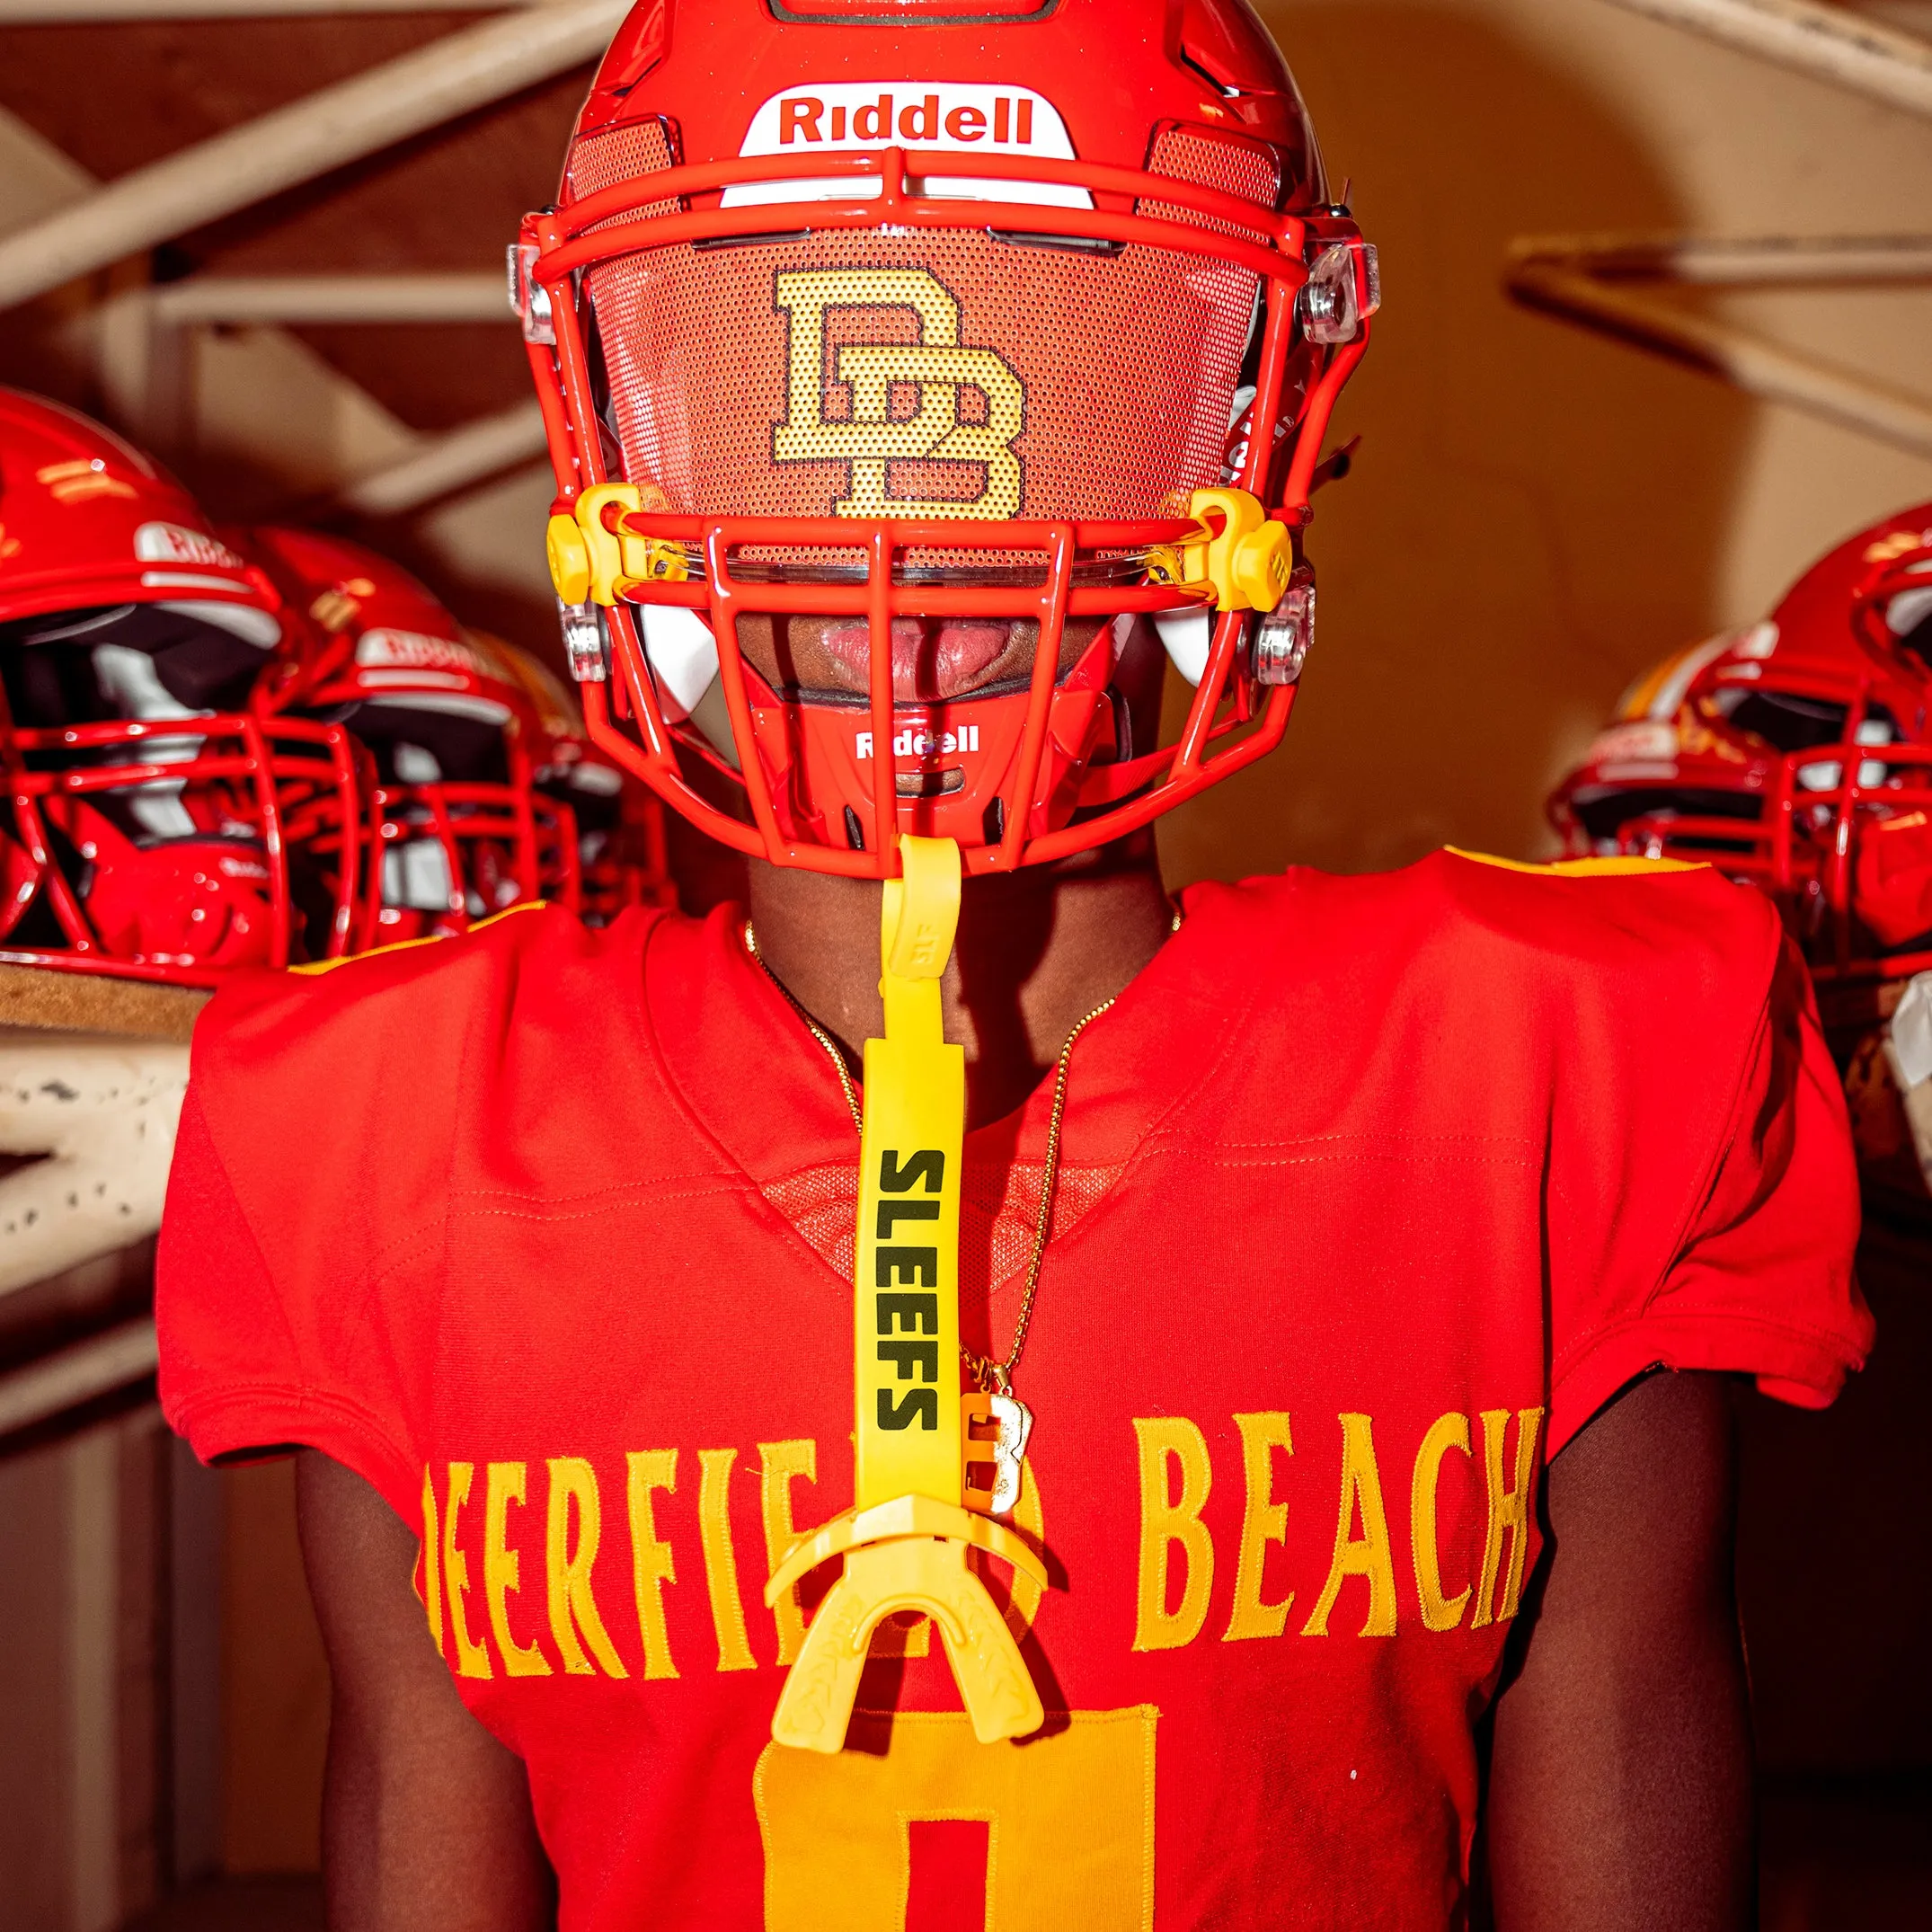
89, 521
152, 816
928, 324
464, 832
1891, 596
1795, 754
620, 854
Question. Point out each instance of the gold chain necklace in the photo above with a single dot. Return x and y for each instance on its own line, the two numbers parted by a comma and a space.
990, 1377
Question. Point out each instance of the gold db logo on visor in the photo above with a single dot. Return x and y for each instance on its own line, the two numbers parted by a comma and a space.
932, 401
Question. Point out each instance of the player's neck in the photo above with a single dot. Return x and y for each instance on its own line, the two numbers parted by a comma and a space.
1037, 950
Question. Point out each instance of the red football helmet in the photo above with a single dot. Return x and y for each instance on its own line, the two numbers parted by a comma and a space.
1795, 753
900, 360
464, 832
620, 852
155, 819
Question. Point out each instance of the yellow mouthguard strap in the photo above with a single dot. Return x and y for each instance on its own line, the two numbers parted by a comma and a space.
906, 1309
905, 1540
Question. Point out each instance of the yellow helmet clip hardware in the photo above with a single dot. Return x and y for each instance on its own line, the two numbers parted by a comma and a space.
661, 561
1250, 561
591, 563
569, 557
905, 1539
1165, 565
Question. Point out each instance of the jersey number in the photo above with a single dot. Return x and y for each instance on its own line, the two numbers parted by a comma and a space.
1070, 1820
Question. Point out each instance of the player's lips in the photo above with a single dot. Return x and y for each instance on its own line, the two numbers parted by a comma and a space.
933, 660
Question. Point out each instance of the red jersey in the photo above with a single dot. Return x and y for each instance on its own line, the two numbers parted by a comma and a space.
1375, 1190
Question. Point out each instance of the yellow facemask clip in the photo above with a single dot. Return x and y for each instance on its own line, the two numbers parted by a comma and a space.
905, 1540
592, 563
1249, 566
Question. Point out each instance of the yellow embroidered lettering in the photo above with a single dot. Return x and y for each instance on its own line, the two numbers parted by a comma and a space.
869, 437
720, 1560
1166, 1522
1508, 1511
473, 1660
432, 1562
574, 1618
780, 1464
1263, 1520
652, 1564
502, 1566
1445, 1433
1366, 1556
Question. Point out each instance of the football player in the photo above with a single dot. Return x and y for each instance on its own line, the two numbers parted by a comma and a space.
1218, 1377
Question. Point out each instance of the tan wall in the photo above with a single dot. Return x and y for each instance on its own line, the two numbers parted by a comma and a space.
84, 1727
275, 1681
1538, 514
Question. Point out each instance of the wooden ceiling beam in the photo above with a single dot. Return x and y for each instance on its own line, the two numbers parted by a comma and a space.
1829, 43
311, 136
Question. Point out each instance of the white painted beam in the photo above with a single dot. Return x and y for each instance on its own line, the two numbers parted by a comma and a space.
83, 1372
321, 298
43, 13
1829, 43
1770, 261
450, 462
1747, 362
357, 117
35, 176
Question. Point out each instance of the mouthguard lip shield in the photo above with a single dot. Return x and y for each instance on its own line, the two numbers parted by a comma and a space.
1038, 795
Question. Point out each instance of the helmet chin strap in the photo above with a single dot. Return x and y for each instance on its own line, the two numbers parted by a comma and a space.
905, 1538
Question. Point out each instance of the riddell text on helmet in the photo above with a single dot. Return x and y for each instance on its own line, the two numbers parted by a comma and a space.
909, 113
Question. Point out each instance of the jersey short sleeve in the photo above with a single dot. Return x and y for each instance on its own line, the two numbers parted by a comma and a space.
310, 1181
1728, 1235
246, 1364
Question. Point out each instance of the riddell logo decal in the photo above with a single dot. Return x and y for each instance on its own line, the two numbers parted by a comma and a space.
915, 115
1643, 741
909, 114
914, 744
169, 543
415, 651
